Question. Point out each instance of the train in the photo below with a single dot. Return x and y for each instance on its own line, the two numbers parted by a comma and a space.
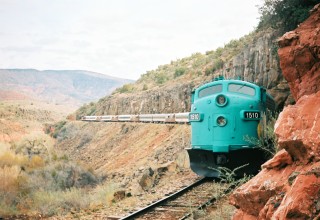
181, 118
224, 113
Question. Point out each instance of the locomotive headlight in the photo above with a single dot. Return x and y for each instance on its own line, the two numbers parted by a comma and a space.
221, 100
221, 121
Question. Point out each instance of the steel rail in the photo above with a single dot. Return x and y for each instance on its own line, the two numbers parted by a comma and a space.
210, 201
163, 200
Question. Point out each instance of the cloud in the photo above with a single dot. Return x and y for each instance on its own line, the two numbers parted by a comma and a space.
123, 38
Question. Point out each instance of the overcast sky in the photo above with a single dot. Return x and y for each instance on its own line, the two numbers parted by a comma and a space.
122, 38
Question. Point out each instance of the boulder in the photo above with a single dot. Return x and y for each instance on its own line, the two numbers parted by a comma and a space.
281, 159
298, 129
148, 178
292, 192
302, 198
252, 197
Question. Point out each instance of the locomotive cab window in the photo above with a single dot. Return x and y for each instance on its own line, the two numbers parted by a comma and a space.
243, 89
210, 90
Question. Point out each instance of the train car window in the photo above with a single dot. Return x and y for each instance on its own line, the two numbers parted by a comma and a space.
210, 90
243, 89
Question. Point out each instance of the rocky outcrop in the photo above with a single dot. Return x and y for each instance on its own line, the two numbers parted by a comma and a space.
300, 56
174, 98
288, 187
257, 62
289, 193
298, 129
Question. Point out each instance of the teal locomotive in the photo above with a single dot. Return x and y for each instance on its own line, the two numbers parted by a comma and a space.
223, 113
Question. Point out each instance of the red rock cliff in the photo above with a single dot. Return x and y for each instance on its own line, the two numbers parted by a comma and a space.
288, 187
300, 55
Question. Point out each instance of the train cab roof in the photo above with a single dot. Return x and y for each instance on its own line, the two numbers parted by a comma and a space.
228, 86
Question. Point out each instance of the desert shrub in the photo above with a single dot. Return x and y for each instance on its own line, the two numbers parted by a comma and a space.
9, 179
34, 144
145, 87
85, 138
126, 88
57, 128
36, 162
31, 185
9, 158
161, 78
209, 70
7, 209
103, 194
13, 186
87, 109
61, 176
217, 64
179, 72
267, 140
50, 203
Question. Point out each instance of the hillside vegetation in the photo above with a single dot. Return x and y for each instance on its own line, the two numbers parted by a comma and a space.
196, 66
37, 179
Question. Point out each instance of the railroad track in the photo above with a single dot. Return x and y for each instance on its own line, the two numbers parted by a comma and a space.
183, 203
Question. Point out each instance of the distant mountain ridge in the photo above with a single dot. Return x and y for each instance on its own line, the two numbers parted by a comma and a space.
73, 87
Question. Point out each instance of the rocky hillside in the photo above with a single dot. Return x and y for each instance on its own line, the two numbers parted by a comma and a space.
167, 89
288, 187
72, 87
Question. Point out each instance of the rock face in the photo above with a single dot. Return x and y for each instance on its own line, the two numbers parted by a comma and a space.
288, 187
256, 62
300, 56
175, 98
298, 129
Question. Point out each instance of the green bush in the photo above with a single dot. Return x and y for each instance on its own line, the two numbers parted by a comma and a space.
179, 72
161, 78
284, 15
209, 70
145, 87
126, 88
268, 140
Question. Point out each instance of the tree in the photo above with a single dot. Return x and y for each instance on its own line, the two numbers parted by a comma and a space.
284, 15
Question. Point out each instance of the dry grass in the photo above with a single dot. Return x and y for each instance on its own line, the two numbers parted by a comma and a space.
9, 158
49, 203
34, 177
9, 179
33, 186
222, 210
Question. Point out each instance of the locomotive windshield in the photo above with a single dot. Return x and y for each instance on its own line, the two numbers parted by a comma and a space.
243, 89
210, 90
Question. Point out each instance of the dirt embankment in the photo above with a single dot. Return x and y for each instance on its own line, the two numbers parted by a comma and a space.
123, 151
